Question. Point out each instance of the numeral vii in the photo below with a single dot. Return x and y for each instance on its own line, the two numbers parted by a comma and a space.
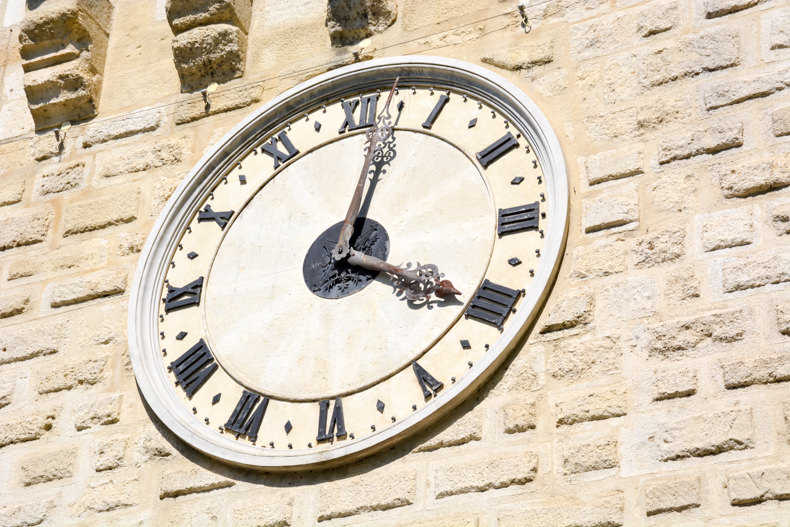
180, 297
244, 421
493, 303
337, 425
271, 149
193, 368
497, 149
367, 113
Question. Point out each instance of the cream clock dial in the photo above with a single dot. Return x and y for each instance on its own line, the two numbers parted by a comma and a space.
255, 340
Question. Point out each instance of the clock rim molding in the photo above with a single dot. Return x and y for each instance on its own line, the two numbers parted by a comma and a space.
476, 82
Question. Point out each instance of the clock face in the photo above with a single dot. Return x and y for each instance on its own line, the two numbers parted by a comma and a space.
255, 345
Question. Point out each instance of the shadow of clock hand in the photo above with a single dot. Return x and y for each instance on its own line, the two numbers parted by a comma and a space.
380, 160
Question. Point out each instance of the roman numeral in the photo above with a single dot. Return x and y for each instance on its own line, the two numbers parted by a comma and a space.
180, 297
246, 419
497, 149
367, 113
493, 303
517, 219
435, 112
193, 368
337, 425
221, 218
426, 381
278, 156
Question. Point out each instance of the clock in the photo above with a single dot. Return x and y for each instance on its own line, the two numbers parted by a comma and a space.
262, 338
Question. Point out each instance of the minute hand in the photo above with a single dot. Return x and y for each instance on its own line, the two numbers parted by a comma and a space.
376, 136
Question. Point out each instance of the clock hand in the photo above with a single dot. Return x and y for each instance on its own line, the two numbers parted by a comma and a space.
376, 136
418, 283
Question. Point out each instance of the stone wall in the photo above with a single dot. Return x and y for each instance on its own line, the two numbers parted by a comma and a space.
653, 389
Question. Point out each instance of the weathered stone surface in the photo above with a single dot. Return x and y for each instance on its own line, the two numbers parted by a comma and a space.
138, 158
467, 428
672, 384
524, 373
672, 496
26, 427
596, 406
660, 247
599, 260
569, 312
367, 493
104, 410
658, 18
629, 123
674, 191
783, 317
750, 178
130, 243
683, 284
45, 146
758, 485
520, 417
183, 515
780, 119
48, 467
445, 520
614, 164
589, 455
521, 58
779, 34
207, 54
480, 476
729, 92
575, 360
14, 302
24, 227
614, 209
71, 258
716, 8
760, 370
34, 339
150, 445
7, 391
12, 189
349, 21
120, 127
108, 495
88, 287
704, 435
572, 511
60, 179
730, 228
187, 14
273, 510
27, 514
629, 298
182, 482
697, 333
113, 208
221, 101
417, 14
740, 274
108, 454
66, 377
710, 140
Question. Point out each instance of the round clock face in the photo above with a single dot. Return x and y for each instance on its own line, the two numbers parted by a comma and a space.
256, 345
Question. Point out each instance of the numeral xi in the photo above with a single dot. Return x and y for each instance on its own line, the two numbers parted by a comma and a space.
179, 297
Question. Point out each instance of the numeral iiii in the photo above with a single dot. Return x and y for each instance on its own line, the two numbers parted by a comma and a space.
367, 113
179, 297
193, 368
516, 219
493, 303
244, 421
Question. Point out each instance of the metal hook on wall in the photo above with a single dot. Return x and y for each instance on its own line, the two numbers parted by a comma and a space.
522, 10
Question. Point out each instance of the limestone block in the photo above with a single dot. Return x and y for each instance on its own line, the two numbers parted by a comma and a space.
221, 101
273, 510
758, 485
417, 13
66, 259
614, 209
630, 298
60, 178
48, 467
445, 520
350, 21
779, 36
740, 274
12, 189
184, 15
614, 164
27, 514
658, 18
599, 260
569, 312
150, 445
467, 428
575, 360
130, 243
631, 122
34, 339
183, 482
483, 475
783, 317
367, 492
729, 92
188, 515
524, 373
672, 496
24, 227
582, 510
522, 57
595, 406
88, 372
589, 455
65, 92
163, 189
711, 140
140, 158
121, 127
731, 228
113, 208
207, 54
6, 391
717, 8
673, 383
749, 178
682, 284
31, 425
89, 287
108, 454
520, 417
698, 333
751, 371
660, 247
104, 410
14, 302
108, 495
704, 435
45, 146
780, 119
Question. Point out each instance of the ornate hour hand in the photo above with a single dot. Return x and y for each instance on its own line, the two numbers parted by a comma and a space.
376, 137
418, 283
